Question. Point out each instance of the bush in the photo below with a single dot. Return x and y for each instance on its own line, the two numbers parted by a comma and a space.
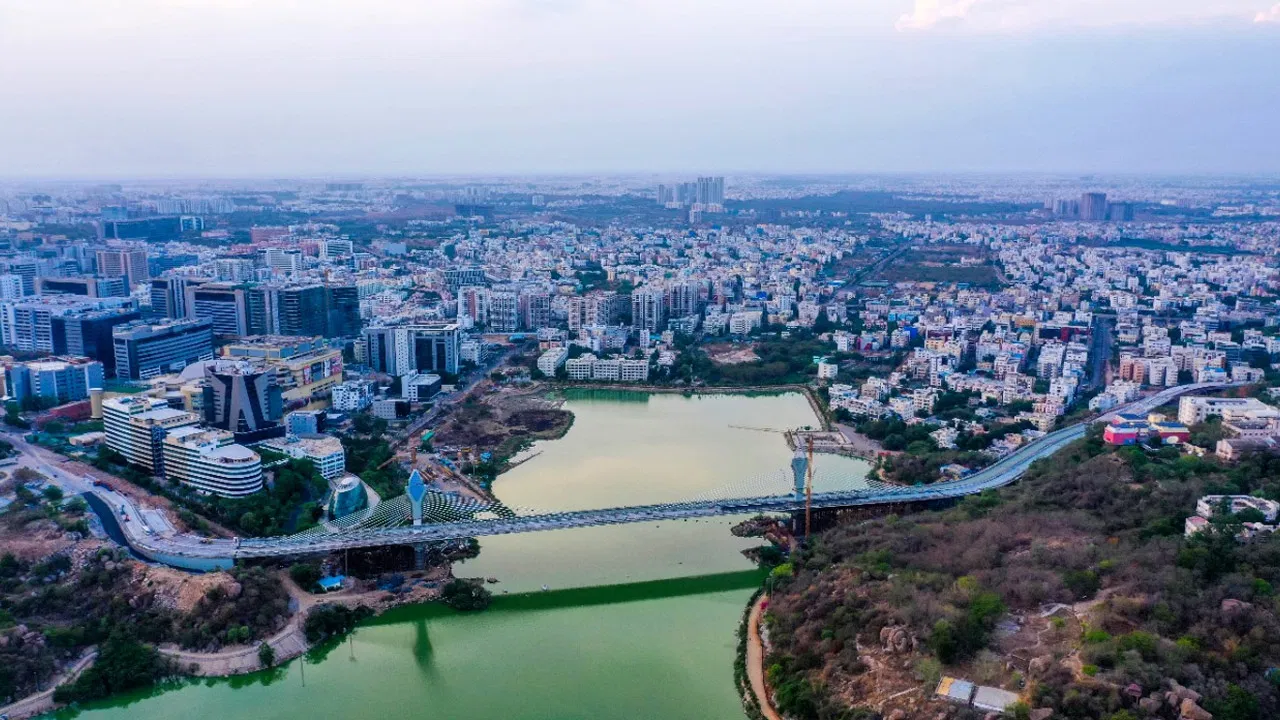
306, 575
266, 655
465, 595
327, 621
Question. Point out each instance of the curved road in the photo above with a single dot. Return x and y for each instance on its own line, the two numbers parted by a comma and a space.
186, 551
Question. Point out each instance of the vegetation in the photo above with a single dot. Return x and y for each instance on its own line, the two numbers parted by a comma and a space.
367, 451
123, 664
465, 595
1097, 524
289, 503
330, 621
257, 605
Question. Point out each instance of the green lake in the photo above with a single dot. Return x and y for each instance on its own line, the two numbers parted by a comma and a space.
638, 621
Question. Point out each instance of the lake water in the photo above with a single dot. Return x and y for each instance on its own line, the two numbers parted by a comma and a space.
639, 621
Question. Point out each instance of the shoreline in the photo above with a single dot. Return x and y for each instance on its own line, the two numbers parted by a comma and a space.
810, 395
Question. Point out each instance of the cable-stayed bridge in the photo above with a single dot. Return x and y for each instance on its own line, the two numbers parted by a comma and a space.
424, 515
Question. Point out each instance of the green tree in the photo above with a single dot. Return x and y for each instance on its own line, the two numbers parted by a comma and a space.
266, 655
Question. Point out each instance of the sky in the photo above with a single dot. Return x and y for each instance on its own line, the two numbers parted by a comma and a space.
328, 88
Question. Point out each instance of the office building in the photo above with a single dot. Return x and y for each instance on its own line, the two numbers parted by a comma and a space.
348, 496
343, 308
285, 261
83, 286
242, 397
211, 461
64, 325
136, 426
159, 229
145, 350
233, 270
305, 368
224, 306
331, 250
169, 295
419, 387
324, 451
130, 264
301, 310
304, 422
1093, 207
24, 267
65, 379
403, 349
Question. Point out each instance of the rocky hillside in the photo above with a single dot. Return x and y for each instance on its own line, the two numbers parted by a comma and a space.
1075, 589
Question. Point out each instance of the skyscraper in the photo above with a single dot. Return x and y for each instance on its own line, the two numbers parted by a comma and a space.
1093, 207
225, 306
243, 398
648, 306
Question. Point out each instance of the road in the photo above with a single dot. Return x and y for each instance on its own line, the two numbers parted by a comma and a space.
202, 553
42, 702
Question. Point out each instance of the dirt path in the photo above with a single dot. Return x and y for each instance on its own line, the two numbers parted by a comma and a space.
42, 702
289, 643
755, 662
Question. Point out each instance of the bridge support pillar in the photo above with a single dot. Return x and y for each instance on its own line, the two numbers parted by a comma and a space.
420, 556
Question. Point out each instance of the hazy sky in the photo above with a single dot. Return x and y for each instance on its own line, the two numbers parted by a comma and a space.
326, 88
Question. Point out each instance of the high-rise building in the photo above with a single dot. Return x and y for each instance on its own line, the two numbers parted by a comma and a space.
536, 310
145, 350
682, 299
404, 349
343, 311
302, 310
333, 249
1093, 207
666, 194
648, 310
710, 191
1120, 212
473, 303
603, 307
130, 264
504, 311
224, 306
242, 397
136, 427
169, 295
234, 270
11, 287
25, 268
63, 324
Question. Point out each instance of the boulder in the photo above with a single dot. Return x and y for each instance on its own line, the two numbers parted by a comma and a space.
1191, 711
897, 715
1039, 665
1041, 714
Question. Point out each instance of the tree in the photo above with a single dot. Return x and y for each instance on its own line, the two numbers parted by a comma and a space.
266, 655
306, 575
465, 596
52, 493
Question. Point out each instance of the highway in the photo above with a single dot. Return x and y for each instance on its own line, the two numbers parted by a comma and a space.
187, 551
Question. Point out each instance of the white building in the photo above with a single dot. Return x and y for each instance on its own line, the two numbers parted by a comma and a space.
325, 451
1192, 410
551, 360
210, 461
136, 426
352, 396
827, 370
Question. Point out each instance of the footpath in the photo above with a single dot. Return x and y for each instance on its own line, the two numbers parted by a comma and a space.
755, 661
42, 702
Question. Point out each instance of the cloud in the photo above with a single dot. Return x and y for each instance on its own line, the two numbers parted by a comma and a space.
1005, 16
930, 13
